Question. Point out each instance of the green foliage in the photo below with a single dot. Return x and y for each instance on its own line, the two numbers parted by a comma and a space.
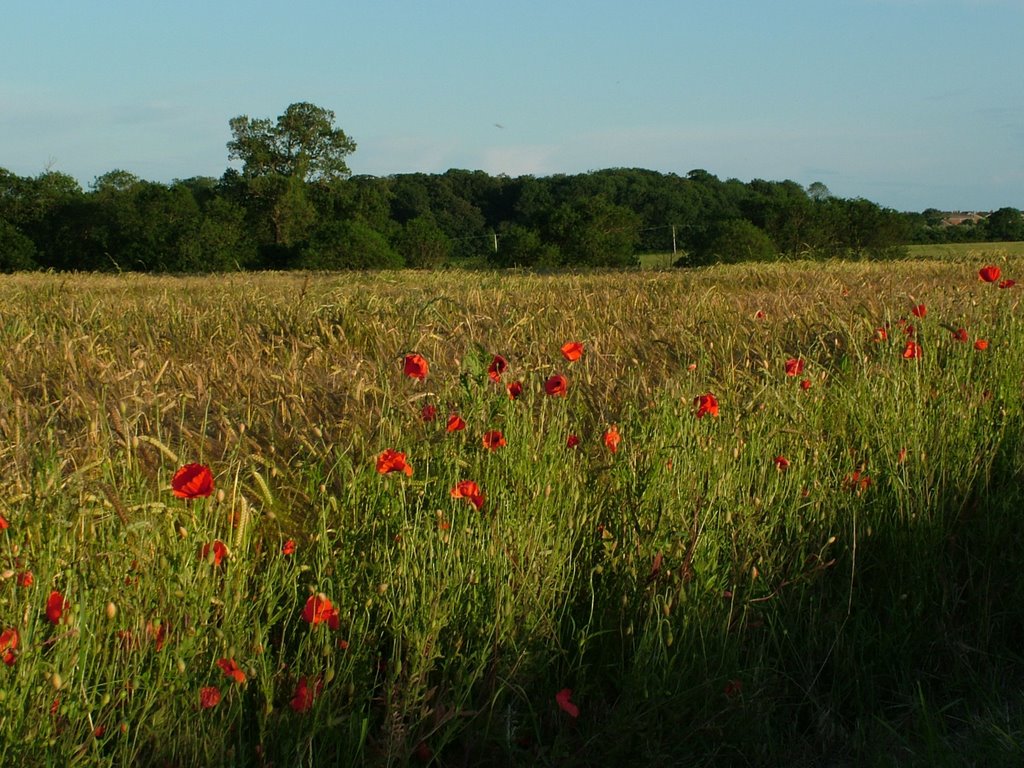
422, 243
817, 191
17, 252
154, 228
734, 241
280, 211
222, 242
348, 245
870, 231
294, 182
302, 143
114, 183
595, 233
519, 246
1006, 224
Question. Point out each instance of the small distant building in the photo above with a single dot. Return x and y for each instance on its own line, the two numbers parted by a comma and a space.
956, 218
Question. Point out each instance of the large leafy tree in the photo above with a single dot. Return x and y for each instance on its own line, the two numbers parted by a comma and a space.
732, 241
17, 252
351, 244
281, 160
302, 143
594, 232
423, 243
1006, 224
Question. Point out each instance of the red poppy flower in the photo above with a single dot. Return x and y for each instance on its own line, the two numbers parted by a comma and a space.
732, 689
416, 367
4, 525
781, 463
209, 696
157, 632
423, 752
305, 694
960, 334
8, 645
219, 552
572, 441
990, 273
981, 345
760, 315
912, 351
794, 366
429, 412
493, 440
1007, 283
497, 367
467, 489
318, 610
572, 350
26, 579
564, 700
55, 606
857, 481
230, 668
919, 311
455, 423
881, 334
126, 640
612, 438
393, 461
515, 389
288, 548
192, 481
805, 384
556, 386
706, 404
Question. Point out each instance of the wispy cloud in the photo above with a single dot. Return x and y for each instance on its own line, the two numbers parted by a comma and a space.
386, 155
519, 160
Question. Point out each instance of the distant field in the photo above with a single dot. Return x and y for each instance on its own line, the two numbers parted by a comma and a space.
658, 260
771, 515
966, 250
944, 251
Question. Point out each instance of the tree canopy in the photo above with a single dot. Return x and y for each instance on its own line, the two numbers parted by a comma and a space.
302, 143
294, 204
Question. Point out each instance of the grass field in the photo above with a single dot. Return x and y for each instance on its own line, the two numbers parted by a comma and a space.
938, 251
966, 250
819, 564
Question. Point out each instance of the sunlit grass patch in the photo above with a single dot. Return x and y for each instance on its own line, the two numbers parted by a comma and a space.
725, 511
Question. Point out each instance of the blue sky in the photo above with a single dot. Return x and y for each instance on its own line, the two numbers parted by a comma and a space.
910, 103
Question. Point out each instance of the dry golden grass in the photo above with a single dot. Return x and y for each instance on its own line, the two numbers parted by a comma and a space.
575, 573
287, 362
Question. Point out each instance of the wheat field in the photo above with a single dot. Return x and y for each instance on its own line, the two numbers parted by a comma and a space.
822, 568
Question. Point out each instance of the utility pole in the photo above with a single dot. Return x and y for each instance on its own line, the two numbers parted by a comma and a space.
673, 240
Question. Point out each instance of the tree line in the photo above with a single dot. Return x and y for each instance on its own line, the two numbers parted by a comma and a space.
295, 205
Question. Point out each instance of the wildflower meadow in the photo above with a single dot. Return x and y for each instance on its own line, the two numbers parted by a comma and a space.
741, 515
